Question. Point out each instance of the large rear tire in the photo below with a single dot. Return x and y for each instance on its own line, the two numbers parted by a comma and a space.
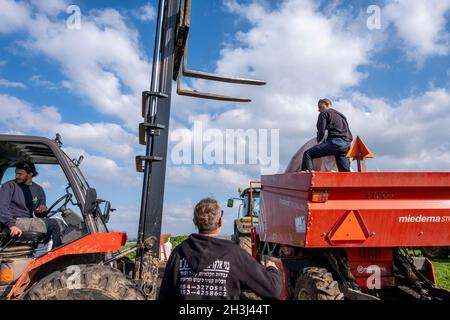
85, 282
435, 252
317, 284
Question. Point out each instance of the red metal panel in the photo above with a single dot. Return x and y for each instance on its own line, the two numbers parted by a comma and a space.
285, 217
398, 208
389, 224
94, 243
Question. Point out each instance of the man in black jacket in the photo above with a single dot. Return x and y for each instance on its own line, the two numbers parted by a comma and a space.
338, 141
205, 267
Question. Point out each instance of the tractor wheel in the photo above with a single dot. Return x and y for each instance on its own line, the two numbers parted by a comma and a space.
317, 284
244, 241
85, 282
435, 252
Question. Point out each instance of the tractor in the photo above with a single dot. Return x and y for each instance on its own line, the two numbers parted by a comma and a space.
90, 263
354, 235
249, 210
77, 269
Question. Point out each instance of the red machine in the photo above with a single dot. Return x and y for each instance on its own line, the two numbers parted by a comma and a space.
349, 234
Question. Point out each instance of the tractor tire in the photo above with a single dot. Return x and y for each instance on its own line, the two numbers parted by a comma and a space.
244, 241
435, 252
317, 284
95, 282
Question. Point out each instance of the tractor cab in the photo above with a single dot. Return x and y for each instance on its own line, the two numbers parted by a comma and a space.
77, 205
76, 210
248, 215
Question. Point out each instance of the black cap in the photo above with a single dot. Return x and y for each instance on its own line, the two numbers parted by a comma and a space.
28, 167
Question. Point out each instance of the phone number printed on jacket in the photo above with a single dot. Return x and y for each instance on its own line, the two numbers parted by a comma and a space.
211, 281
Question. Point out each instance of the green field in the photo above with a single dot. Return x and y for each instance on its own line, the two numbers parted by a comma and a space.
442, 268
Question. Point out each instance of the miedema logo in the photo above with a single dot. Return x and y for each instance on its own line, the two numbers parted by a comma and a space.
350, 228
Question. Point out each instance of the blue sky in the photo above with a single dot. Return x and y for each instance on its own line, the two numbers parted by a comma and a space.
392, 83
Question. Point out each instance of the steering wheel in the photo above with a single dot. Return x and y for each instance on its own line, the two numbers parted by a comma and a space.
50, 212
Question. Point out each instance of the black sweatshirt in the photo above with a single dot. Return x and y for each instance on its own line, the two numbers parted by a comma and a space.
336, 124
207, 268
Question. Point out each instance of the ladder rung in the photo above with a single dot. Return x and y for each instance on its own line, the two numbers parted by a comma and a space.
146, 95
141, 159
155, 129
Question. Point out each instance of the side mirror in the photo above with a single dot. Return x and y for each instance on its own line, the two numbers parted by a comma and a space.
91, 201
230, 203
106, 211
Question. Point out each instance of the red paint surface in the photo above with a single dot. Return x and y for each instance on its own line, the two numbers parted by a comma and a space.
383, 201
94, 243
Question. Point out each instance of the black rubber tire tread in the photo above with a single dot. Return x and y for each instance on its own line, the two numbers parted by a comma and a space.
97, 282
318, 284
435, 252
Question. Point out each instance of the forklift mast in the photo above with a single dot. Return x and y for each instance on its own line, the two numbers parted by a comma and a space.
169, 64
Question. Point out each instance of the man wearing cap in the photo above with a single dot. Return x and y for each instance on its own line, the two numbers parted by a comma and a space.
338, 141
22, 197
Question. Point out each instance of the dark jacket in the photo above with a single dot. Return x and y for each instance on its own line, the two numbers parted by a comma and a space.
207, 268
18, 200
336, 124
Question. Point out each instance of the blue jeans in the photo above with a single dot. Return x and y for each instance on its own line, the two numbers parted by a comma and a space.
337, 147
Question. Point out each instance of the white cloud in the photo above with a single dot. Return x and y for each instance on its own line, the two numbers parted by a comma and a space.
3, 63
314, 50
101, 170
145, 13
421, 24
14, 16
50, 7
103, 61
18, 115
41, 82
108, 139
11, 84
214, 179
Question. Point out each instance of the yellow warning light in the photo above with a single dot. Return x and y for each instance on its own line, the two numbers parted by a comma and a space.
6, 275
319, 196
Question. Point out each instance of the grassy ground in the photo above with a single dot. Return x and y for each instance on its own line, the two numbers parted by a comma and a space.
442, 268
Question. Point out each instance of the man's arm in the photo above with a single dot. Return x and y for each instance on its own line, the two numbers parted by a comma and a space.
321, 126
41, 204
6, 192
264, 281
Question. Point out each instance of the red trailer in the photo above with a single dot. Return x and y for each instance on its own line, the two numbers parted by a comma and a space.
352, 234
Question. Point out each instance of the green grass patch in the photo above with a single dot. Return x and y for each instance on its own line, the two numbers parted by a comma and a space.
442, 268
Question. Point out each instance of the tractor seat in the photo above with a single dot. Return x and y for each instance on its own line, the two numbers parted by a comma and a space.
27, 237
